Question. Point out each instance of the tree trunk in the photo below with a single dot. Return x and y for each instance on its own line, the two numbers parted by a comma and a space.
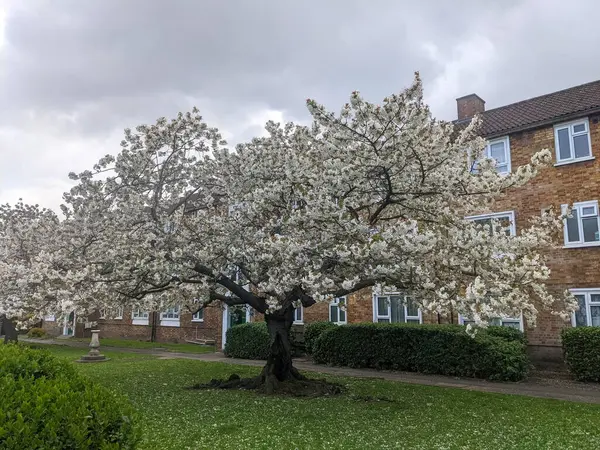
279, 365
7, 328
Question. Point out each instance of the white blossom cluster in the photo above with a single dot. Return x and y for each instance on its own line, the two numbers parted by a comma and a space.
375, 196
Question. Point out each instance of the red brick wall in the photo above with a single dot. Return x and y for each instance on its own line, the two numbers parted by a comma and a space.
571, 268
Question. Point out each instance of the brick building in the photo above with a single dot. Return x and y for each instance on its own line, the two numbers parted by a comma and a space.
567, 123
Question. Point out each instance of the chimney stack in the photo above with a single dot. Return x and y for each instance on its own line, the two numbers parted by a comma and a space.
469, 105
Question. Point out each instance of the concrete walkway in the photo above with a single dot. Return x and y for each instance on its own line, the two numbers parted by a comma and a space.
559, 389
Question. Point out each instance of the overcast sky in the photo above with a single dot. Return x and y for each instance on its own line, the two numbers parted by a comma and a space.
74, 73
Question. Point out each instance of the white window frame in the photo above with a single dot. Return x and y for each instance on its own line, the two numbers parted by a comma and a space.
50, 318
388, 316
572, 134
488, 152
118, 316
462, 319
196, 316
299, 312
171, 321
579, 207
499, 215
587, 293
139, 317
336, 302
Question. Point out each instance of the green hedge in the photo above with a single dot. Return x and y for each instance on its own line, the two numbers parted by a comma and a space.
248, 341
435, 349
312, 331
36, 333
581, 348
46, 404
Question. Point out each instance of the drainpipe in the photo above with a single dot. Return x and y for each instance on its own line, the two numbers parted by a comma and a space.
153, 326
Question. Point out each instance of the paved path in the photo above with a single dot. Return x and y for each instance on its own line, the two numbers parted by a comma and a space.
559, 389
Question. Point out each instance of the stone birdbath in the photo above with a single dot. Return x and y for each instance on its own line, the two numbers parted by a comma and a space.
94, 354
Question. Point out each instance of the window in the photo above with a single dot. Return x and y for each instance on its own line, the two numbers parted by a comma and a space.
572, 142
298, 314
582, 227
508, 322
139, 317
506, 218
112, 313
198, 316
498, 149
588, 314
337, 311
396, 308
170, 317
50, 318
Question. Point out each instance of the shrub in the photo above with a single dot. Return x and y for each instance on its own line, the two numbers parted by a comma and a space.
312, 331
508, 333
581, 349
248, 341
36, 333
46, 404
438, 349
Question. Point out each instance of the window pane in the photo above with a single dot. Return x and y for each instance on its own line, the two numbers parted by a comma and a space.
582, 147
511, 324
564, 144
502, 168
382, 306
595, 313
333, 313
579, 128
590, 229
595, 298
397, 309
573, 227
412, 321
298, 314
498, 152
342, 315
581, 314
484, 222
383, 320
588, 211
411, 308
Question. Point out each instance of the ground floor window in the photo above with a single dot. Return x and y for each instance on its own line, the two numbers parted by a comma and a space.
111, 313
396, 308
338, 310
299, 315
505, 322
139, 317
170, 317
588, 314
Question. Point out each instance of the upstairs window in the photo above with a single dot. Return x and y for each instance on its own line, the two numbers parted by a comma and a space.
582, 228
497, 149
572, 142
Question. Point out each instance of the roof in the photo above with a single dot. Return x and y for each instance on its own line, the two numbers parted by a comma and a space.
538, 111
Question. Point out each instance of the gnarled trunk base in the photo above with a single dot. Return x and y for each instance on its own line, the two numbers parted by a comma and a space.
278, 376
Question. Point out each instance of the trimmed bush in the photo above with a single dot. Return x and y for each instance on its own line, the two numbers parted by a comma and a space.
434, 349
46, 404
312, 331
507, 333
36, 333
248, 341
581, 349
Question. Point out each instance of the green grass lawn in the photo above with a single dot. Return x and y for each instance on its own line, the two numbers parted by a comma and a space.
409, 417
169, 346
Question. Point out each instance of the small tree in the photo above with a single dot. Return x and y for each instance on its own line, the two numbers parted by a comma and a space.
374, 197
